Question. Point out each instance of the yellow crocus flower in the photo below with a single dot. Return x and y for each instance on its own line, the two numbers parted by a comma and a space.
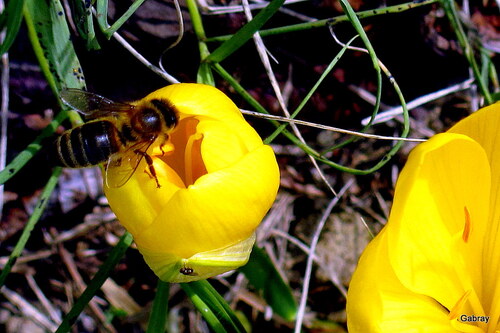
217, 179
435, 266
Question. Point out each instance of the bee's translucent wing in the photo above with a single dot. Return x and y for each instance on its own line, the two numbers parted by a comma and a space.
121, 166
92, 105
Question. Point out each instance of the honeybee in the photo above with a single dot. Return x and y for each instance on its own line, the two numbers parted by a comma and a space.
117, 136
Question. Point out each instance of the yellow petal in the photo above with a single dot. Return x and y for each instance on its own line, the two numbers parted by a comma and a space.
221, 145
441, 177
483, 126
219, 209
204, 101
378, 302
137, 203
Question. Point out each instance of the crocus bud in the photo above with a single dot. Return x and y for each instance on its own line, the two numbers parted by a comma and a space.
217, 181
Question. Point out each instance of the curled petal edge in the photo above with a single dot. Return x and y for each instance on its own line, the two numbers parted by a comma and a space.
170, 267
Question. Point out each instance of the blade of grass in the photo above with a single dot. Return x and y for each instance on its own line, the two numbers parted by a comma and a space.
262, 274
23, 157
359, 29
159, 312
30, 225
259, 108
323, 75
104, 271
451, 12
333, 20
373, 56
352, 17
213, 307
308, 150
11, 19
245, 33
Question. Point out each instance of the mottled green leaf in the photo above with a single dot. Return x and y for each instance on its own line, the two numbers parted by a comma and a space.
50, 37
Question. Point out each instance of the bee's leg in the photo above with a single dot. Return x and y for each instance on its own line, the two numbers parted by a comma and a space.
151, 167
164, 142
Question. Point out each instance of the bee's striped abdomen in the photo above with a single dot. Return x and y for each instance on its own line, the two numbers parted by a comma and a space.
89, 144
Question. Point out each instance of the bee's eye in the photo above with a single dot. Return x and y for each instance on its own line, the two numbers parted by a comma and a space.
149, 121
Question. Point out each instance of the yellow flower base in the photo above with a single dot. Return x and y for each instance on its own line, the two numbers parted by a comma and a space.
172, 268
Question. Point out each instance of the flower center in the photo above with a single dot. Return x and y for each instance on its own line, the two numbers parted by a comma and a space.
186, 158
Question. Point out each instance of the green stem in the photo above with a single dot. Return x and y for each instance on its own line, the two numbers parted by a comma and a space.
204, 74
199, 31
159, 312
213, 307
102, 16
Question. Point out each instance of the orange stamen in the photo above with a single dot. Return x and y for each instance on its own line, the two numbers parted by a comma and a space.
467, 226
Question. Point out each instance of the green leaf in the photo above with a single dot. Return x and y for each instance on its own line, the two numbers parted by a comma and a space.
11, 19
50, 37
213, 307
245, 33
262, 274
